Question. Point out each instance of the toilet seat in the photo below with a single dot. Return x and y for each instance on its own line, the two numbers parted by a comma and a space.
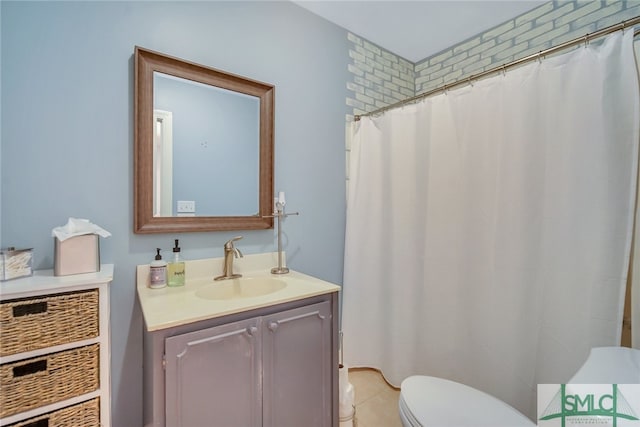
429, 401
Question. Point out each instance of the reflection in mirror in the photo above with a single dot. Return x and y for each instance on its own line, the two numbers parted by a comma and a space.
203, 148
206, 148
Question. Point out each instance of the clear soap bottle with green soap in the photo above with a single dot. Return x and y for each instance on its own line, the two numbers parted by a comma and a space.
176, 268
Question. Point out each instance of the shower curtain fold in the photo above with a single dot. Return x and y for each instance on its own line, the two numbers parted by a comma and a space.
488, 228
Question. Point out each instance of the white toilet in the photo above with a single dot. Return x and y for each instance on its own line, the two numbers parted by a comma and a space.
609, 365
428, 401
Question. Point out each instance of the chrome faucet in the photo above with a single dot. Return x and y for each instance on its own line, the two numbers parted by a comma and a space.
230, 252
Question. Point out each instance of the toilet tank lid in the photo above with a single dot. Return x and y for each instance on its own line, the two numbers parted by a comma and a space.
609, 365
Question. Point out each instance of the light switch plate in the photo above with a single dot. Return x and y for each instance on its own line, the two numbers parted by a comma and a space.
186, 206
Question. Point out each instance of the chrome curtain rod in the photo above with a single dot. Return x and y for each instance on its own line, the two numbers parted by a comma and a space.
502, 68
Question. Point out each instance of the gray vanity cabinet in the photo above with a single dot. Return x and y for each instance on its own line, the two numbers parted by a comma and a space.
296, 347
213, 376
273, 367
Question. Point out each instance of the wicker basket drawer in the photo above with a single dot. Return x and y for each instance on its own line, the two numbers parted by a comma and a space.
51, 378
85, 414
35, 323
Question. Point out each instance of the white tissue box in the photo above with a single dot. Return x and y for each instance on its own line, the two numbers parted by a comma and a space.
76, 255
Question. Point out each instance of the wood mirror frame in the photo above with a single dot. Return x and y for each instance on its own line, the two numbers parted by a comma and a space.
146, 63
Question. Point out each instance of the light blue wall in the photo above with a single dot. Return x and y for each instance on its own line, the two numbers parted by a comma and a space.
1, 241
67, 135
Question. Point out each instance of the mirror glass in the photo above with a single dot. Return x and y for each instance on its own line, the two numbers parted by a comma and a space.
203, 146
206, 146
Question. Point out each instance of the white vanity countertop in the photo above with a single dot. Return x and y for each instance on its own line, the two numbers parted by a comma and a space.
175, 306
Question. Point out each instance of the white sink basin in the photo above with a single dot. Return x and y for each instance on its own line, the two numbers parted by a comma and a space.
243, 287
202, 298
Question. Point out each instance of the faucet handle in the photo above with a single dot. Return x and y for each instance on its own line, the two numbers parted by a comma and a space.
229, 243
229, 247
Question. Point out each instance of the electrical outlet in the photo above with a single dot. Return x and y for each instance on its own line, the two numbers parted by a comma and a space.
186, 206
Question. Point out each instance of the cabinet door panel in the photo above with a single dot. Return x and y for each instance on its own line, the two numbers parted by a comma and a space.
297, 367
213, 377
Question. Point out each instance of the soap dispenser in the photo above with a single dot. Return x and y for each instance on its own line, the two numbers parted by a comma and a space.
158, 272
175, 267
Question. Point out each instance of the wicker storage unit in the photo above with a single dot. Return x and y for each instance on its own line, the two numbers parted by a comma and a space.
85, 414
39, 381
34, 323
54, 350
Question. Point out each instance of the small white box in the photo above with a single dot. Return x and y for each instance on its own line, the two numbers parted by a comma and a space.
15, 263
76, 255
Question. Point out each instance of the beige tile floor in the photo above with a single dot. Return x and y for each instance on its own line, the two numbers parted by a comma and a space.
376, 401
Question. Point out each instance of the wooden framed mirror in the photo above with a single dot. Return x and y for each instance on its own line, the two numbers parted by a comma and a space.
203, 148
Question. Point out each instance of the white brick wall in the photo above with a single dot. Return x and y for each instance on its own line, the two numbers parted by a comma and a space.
548, 25
379, 77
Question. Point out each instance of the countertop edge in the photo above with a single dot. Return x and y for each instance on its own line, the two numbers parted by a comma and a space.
185, 321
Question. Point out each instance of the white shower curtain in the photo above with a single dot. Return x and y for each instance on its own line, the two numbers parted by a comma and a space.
489, 228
